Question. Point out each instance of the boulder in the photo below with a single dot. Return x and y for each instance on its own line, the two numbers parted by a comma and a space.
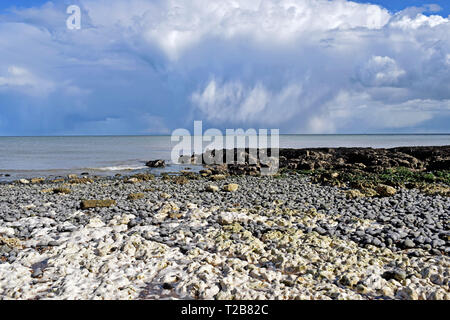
156, 164
386, 191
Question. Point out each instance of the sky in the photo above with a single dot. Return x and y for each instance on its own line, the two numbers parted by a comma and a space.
152, 66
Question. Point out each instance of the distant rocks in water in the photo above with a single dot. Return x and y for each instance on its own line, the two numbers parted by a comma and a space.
156, 164
88, 204
364, 159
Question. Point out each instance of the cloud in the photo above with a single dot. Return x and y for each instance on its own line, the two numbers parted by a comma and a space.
18, 78
381, 71
143, 66
235, 103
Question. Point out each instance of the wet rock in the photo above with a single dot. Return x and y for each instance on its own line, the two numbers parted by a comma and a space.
156, 164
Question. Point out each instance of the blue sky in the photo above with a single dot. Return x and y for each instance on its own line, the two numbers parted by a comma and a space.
392, 5
398, 5
149, 67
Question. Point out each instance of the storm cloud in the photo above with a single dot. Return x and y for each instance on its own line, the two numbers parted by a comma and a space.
148, 67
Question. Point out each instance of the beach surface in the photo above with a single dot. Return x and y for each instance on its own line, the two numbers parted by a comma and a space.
295, 235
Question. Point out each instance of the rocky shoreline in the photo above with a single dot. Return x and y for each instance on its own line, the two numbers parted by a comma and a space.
341, 159
301, 234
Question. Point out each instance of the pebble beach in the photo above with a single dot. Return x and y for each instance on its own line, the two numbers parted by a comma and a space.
220, 237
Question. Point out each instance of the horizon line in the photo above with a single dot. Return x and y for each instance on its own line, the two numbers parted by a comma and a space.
167, 135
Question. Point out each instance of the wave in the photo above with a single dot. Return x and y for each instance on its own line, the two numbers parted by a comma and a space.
119, 168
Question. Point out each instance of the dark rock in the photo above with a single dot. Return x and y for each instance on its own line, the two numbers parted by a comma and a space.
397, 274
156, 164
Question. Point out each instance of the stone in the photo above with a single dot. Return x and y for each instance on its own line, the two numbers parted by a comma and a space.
212, 188
72, 176
165, 195
397, 274
37, 180
226, 218
352, 194
218, 177
81, 181
407, 293
408, 244
61, 191
135, 196
386, 191
205, 172
143, 177
88, 204
132, 180
349, 280
156, 164
230, 187
95, 223
24, 181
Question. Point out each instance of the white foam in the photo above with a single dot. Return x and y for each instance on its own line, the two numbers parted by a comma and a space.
120, 168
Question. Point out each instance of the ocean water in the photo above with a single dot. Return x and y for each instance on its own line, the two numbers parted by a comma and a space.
107, 155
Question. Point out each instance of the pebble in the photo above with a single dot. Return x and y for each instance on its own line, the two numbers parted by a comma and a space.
195, 244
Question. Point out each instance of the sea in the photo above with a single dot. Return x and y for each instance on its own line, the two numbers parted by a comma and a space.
28, 157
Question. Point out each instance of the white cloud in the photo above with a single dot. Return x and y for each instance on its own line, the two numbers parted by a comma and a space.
301, 65
22, 79
350, 108
420, 20
234, 102
176, 25
381, 71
